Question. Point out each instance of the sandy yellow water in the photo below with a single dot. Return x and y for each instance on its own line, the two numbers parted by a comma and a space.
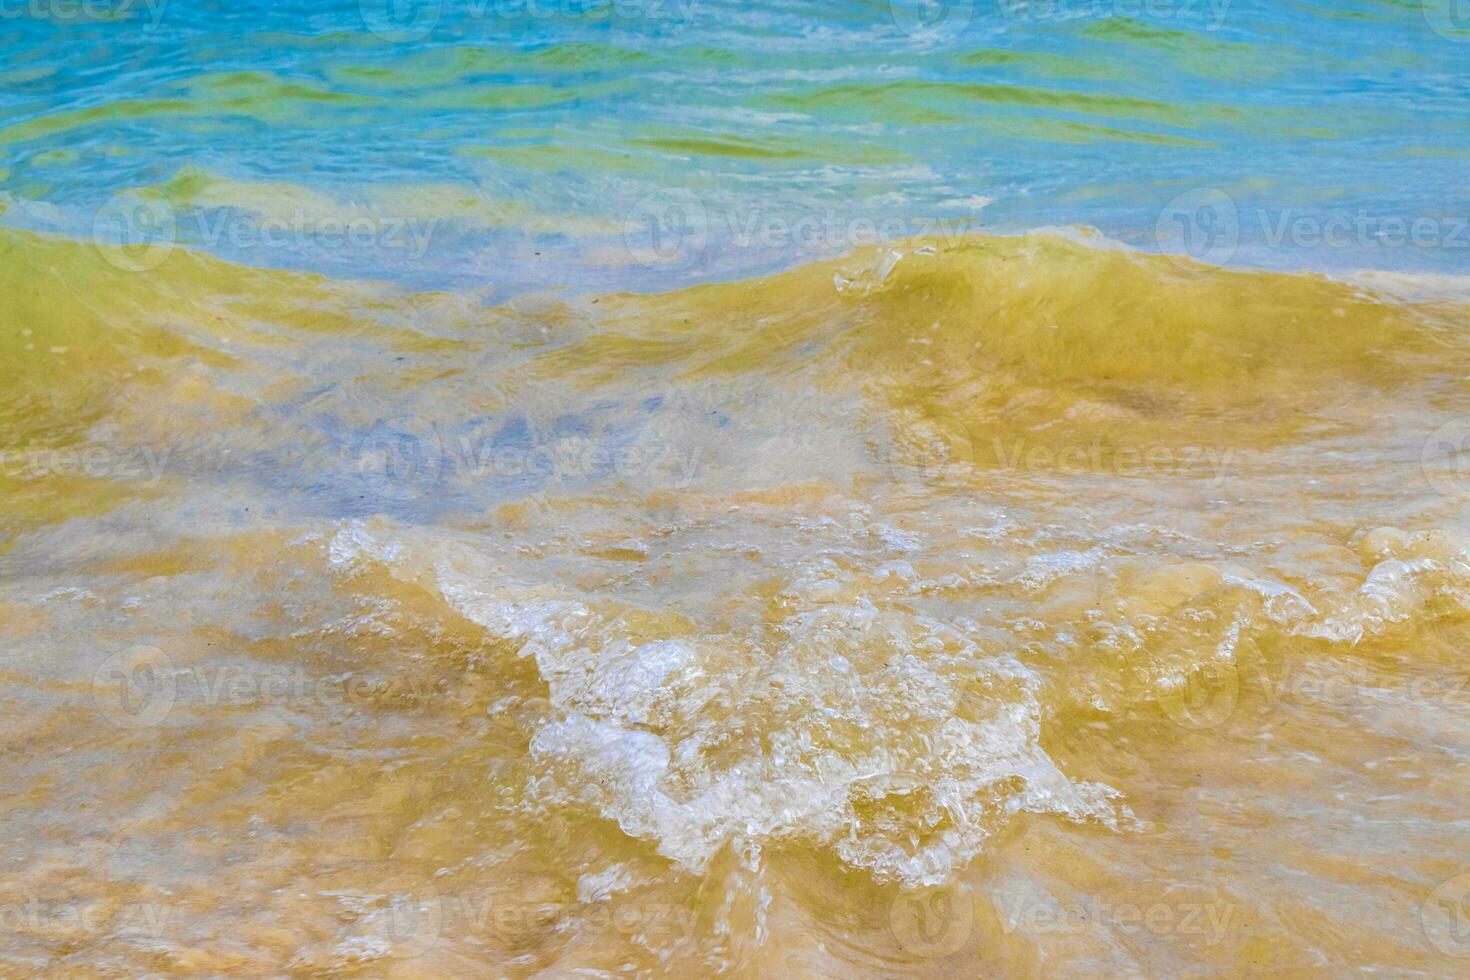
1000, 607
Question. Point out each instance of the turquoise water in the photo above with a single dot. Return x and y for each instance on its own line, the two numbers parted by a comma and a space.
509, 145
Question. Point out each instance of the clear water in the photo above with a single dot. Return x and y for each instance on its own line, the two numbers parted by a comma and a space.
478, 497
516, 143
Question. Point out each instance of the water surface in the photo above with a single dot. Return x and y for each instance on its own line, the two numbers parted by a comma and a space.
726, 489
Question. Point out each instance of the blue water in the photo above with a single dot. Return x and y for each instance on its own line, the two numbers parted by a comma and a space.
507, 145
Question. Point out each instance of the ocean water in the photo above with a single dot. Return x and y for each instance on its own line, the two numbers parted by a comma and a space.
666, 487
532, 144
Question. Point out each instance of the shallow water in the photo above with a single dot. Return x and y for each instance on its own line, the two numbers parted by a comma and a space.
527, 144
597, 590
